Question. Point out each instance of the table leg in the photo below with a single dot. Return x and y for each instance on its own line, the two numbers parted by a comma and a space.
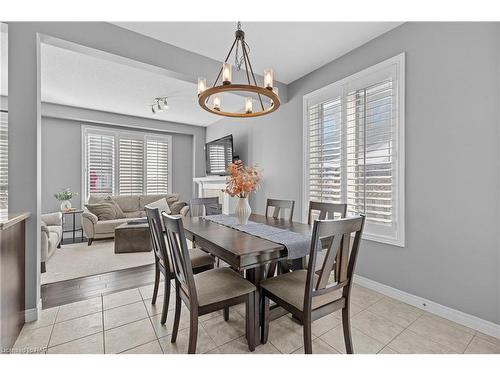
255, 275
74, 227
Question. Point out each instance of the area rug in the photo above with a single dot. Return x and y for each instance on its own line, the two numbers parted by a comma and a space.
77, 260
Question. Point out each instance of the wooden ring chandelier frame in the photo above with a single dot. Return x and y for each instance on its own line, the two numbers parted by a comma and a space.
250, 87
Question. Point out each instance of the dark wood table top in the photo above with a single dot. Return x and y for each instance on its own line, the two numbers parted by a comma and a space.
239, 249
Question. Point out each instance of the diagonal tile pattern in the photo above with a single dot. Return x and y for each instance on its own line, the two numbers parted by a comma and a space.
126, 322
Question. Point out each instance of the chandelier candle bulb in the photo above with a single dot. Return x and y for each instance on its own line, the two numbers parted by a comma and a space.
248, 105
268, 79
202, 85
226, 73
217, 103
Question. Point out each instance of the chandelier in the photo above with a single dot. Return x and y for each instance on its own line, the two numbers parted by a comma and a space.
266, 97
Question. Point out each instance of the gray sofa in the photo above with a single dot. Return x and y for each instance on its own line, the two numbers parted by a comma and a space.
132, 207
51, 237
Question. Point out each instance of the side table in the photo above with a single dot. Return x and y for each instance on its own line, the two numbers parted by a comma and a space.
74, 229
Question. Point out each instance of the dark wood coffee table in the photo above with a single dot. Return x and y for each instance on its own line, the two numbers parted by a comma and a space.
132, 238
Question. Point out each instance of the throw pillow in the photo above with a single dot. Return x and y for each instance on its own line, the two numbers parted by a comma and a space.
161, 204
118, 209
176, 207
103, 211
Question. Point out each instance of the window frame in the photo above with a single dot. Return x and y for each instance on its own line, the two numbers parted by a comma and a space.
372, 232
123, 134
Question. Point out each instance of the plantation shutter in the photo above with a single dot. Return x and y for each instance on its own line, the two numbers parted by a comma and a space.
325, 152
100, 163
370, 151
157, 154
4, 163
131, 166
353, 144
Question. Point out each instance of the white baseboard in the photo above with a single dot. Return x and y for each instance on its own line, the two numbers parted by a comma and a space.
456, 316
31, 315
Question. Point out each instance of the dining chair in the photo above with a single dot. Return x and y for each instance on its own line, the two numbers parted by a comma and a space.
208, 291
309, 294
205, 206
323, 211
200, 260
326, 210
279, 205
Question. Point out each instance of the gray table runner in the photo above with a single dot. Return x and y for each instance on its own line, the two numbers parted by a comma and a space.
298, 245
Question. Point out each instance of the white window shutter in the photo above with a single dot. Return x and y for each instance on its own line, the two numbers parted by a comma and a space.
325, 152
354, 134
4, 162
100, 162
370, 152
131, 166
157, 162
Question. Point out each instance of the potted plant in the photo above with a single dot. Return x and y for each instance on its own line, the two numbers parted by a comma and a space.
242, 181
64, 197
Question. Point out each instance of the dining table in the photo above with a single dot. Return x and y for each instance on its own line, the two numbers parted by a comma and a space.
244, 252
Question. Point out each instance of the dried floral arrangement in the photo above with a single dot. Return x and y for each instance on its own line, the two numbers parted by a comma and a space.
242, 179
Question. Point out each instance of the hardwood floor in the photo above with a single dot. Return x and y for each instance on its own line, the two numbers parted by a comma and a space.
68, 291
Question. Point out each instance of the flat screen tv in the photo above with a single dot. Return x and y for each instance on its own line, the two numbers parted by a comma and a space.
219, 154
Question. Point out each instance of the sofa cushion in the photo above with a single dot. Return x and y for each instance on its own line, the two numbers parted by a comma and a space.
103, 211
119, 212
97, 198
128, 203
161, 204
133, 214
108, 226
147, 199
176, 207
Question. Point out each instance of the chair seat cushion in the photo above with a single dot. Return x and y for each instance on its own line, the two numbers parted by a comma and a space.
291, 286
199, 258
220, 284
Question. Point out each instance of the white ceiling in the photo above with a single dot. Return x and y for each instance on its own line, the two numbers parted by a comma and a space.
75, 79
292, 49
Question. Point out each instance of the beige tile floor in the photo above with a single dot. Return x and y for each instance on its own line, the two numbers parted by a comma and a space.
126, 322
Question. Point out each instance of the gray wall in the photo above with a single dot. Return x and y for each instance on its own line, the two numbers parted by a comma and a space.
62, 159
452, 161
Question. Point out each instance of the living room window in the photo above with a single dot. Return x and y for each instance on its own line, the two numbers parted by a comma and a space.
126, 163
354, 148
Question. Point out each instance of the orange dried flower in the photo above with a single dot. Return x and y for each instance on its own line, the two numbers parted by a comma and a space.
242, 179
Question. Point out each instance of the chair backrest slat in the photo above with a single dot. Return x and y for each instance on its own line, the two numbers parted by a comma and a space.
156, 234
278, 205
326, 210
204, 206
329, 262
339, 254
179, 254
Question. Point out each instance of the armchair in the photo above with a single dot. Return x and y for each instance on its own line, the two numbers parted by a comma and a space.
51, 236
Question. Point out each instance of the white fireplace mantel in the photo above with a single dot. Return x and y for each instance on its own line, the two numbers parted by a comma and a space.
207, 185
